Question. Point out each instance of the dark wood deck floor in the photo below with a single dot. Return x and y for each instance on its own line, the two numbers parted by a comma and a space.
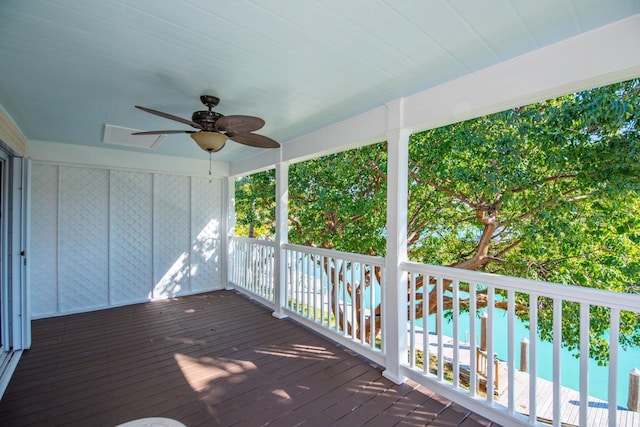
205, 360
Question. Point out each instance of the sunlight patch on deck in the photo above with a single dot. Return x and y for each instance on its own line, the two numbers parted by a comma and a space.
200, 372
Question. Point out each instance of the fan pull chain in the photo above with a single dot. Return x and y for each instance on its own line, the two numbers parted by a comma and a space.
209, 167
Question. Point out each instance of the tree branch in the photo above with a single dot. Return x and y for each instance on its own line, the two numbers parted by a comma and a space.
557, 177
460, 197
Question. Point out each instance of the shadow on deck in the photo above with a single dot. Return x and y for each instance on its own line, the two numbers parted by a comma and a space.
205, 360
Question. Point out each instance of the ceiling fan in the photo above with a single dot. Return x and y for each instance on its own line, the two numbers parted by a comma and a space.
214, 128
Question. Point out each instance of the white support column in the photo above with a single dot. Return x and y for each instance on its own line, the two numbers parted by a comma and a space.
282, 237
395, 292
229, 218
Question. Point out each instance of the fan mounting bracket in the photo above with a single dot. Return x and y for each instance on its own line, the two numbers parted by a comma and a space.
209, 100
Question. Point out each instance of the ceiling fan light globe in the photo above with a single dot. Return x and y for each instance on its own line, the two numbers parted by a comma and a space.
209, 141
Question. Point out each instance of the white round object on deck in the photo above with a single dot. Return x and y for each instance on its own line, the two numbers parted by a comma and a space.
152, 422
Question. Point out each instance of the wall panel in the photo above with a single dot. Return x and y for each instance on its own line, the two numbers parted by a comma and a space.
171, 235
130, 247
83, 268
206, 216
44, 234
103, 238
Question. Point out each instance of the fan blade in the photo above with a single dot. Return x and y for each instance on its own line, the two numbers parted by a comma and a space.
239, 124
162, 132
170, 117
254, 140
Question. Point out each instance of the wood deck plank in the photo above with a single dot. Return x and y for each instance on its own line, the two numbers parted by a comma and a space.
205, 360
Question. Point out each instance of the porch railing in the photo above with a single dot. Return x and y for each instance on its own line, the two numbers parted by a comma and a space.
462, 362
252, 267
341, 295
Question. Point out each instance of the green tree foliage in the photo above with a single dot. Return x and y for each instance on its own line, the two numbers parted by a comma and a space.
339, 201
547, 191
533, 190
255, 200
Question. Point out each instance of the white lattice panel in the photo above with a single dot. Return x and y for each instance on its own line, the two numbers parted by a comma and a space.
130, 237
102, 238
171, 235
206, 215
83, 245
44, 232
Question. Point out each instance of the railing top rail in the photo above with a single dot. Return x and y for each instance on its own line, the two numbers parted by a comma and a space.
251, 240
601, 297
366, 259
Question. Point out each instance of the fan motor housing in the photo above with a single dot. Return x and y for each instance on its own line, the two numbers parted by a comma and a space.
207, 119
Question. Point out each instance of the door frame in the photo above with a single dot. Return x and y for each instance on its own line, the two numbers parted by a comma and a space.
5, 288
15, 314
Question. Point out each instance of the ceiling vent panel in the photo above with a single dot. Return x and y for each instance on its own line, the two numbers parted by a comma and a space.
118, 135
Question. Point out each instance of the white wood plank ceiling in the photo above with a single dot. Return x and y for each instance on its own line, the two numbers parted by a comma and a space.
67, 68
